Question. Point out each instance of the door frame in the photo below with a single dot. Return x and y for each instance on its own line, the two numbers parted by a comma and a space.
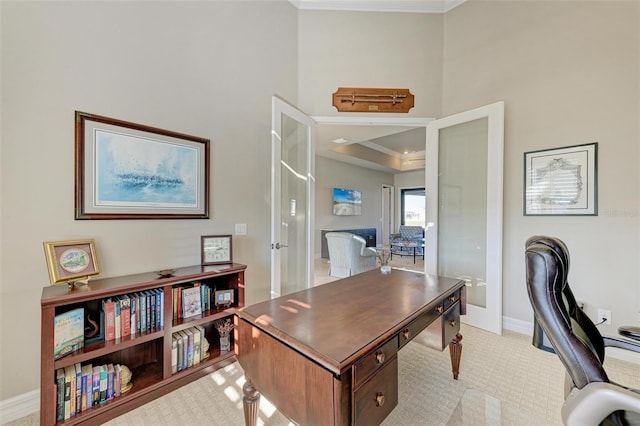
489, 318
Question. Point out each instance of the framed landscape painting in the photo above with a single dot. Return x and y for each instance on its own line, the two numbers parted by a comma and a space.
561, 181
131, 171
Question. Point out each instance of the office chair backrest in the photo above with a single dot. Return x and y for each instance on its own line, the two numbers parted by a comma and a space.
572, 334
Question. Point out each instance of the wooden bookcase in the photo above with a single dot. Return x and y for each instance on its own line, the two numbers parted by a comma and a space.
148, 355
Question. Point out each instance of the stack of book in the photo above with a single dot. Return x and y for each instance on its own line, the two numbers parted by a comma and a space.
80, 387
191, 300
188, 348
135, 313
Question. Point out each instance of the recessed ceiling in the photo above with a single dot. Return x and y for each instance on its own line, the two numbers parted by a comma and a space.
392, 149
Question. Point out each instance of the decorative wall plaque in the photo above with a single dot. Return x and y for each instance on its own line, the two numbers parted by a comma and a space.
358, 99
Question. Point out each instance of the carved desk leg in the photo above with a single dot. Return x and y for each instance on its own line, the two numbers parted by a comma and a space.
455, 349
250, 402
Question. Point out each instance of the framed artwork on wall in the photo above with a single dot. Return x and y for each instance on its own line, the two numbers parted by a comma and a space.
125, 170
561, 181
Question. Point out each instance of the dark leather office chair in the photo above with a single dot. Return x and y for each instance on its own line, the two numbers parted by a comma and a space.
593, 398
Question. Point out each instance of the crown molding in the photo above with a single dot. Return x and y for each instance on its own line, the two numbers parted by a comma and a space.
410, 6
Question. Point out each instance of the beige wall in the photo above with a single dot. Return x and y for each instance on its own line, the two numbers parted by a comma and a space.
336, 174
369, 49
569, 73
191, 67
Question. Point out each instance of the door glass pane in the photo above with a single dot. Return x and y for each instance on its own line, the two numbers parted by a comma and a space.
293, 220
462, 204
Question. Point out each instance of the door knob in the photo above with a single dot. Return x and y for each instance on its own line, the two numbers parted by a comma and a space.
279, 246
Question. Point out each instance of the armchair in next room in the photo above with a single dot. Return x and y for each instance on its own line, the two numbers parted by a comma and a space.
406, 235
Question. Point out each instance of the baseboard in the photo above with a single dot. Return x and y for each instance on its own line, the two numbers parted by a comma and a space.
19, 406
526, 328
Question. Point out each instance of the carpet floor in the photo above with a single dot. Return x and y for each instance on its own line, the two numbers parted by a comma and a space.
503, 381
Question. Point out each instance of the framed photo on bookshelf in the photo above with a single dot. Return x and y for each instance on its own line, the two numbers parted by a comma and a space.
70, 261
224, 298
216, 249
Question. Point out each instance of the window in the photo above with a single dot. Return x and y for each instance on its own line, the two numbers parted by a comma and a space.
413, 205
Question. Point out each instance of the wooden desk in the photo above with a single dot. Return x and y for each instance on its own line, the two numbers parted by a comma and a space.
328, 355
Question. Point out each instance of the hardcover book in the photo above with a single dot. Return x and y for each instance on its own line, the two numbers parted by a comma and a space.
109, 319
68, 332
191, 302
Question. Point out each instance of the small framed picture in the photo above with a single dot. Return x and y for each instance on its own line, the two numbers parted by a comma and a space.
69, 261
224, 298
216, 249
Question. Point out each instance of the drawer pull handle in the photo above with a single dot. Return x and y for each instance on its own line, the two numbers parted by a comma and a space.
452, 297
406, 333
439, 309
379, 357
452, 323
379, 399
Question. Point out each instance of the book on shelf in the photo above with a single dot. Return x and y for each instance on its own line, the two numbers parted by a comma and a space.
117, 380
103, 384
180, 350
60, 389
174, 354
96, 386
143, 312
190, 347
78, 369
117, 323
203, 354
196, 346
111, 390
191, 303
125, 315
68, 332
87, 386
108, 306
69, 377
133, 313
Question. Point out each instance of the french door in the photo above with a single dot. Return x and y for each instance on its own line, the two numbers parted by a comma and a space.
464, 173
292, 198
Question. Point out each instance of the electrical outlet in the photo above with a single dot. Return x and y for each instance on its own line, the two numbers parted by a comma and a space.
604, 315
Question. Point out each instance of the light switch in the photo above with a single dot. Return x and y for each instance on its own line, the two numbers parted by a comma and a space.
241, 229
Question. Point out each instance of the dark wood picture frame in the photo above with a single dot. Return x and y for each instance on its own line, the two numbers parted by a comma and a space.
125, 170
216, 249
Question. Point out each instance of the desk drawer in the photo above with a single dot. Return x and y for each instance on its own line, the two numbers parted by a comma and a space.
451, 299
374, 361
417, 325
377, 397
440, 332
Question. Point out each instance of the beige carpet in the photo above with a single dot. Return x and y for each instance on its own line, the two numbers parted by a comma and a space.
503, 380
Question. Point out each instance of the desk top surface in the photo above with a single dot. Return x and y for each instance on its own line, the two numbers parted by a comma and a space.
336, 323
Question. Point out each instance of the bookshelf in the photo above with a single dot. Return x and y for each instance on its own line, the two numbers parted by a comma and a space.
147, 353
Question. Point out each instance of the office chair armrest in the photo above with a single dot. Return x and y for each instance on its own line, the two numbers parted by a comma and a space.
594, 402
630, 345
